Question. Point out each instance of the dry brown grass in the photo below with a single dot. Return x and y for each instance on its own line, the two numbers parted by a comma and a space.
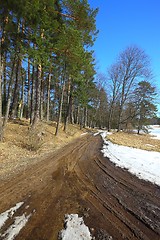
22, 146
142, 141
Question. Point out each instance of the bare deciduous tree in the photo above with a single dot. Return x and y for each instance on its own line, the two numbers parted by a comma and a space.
115, 83
131, 67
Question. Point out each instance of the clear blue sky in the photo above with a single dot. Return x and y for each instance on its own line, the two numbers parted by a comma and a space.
125, 22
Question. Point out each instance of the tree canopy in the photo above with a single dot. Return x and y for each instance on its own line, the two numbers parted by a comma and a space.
44, 54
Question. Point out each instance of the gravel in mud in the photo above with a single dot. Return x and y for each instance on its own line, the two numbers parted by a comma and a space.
78, 179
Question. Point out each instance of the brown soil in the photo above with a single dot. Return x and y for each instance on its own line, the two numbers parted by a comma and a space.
78, 179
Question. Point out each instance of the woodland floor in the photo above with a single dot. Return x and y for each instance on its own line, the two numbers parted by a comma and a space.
77, 179
23, 146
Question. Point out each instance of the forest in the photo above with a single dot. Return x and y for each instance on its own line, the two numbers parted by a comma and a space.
48, 70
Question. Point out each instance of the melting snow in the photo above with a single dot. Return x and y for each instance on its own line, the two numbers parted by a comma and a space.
95, 134
102, 133
75, 229
9, 213
15, 228
19, 222
142, 163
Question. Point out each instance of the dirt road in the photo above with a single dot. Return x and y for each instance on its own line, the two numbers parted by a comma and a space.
78, 179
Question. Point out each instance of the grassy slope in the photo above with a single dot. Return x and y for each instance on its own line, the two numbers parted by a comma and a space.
142, 141
21, 146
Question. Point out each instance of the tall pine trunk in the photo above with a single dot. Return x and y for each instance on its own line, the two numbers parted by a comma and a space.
76, 115
32, 96
16, 91
85, 117
21, 106
60, 108
2, 41
1, 74
71, 110
48, 97
38, 94
68, 108
18, 71
81, 118
4, 101
29, 92
5, 120
42, 98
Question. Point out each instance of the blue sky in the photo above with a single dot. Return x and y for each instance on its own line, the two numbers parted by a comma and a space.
125, 22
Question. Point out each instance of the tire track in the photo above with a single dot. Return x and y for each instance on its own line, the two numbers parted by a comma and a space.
78, 179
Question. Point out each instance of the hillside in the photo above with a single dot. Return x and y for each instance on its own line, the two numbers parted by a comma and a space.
23, 146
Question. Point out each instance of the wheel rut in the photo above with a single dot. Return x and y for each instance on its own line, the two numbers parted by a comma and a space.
78, 179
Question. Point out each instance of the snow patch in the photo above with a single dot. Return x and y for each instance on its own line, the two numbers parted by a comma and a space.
109, 133
150, 145
75, 229
9, 213
103, 135
19, 222
144, 164
15, 228
95, 134
84, 133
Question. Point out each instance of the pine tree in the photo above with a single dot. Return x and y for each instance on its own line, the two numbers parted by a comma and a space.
52, 40
144, 97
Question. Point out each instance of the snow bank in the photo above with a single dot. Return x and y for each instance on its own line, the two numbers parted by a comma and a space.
75, 229
144, 164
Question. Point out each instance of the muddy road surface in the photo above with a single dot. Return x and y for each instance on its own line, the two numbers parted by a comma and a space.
78, 179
